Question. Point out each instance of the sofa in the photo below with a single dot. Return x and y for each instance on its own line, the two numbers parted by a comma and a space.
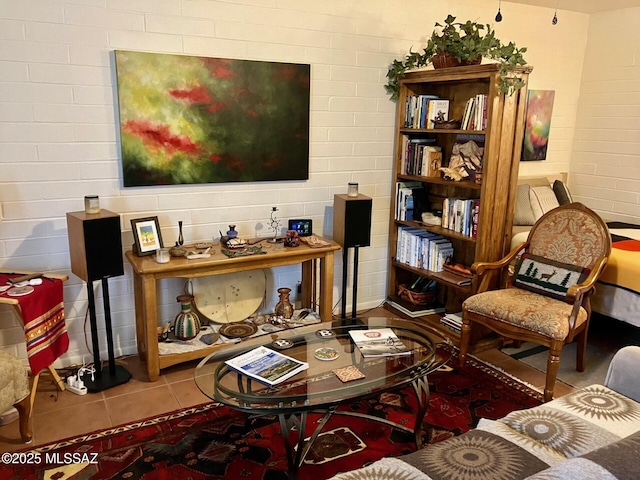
593, 433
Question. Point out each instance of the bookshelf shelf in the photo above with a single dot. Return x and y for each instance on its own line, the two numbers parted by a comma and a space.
493, 195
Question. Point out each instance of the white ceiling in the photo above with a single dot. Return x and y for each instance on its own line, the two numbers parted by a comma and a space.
584, 6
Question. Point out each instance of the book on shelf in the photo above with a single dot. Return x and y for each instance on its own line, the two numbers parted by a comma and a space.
266, 365
416, 247
404, 199
412, 154
474, 116
438, 110
378, 342
412, 310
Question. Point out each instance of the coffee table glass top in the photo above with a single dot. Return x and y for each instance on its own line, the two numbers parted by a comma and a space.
325, 347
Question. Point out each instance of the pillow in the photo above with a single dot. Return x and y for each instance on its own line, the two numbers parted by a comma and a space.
523, 214
547, 277
542, 200
562, 192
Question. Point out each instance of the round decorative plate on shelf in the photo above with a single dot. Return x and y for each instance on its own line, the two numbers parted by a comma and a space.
237, 330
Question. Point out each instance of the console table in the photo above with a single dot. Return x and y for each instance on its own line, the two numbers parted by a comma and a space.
146, 273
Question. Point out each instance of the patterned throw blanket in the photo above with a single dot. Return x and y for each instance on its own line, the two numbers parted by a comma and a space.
44, 327
623, 268
591, 433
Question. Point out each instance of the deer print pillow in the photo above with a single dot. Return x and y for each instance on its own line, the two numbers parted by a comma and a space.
547, 277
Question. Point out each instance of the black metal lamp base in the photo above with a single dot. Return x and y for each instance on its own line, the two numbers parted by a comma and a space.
104, 380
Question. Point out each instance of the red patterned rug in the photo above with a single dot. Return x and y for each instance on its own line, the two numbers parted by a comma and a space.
215, 442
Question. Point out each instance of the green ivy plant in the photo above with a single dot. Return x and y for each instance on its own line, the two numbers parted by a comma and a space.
467, 42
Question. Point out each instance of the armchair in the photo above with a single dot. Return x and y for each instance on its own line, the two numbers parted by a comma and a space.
14, 391
545, 298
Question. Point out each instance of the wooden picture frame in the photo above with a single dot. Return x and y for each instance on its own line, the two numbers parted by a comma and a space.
147, 237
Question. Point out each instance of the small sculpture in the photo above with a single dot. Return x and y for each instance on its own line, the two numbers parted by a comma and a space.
283, 307
274, 224
180, 237
292, 239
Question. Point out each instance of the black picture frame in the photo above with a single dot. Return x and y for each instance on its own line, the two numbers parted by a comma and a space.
147, 237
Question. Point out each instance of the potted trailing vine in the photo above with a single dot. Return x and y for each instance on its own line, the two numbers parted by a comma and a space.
455, 43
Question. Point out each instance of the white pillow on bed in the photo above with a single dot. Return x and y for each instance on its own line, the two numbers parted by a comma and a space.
542, 199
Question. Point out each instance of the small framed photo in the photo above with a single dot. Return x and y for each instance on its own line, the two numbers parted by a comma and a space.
146, 235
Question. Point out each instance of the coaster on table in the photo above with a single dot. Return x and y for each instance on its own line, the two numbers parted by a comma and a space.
347, 374
326, 353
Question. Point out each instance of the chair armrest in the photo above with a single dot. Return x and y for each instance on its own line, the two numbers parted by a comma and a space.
490, 268
576, 292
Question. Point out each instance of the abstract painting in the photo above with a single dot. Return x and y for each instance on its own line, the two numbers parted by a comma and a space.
188, 120
538, 123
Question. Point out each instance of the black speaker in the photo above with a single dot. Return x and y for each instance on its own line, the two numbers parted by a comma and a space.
95, 245
352, 220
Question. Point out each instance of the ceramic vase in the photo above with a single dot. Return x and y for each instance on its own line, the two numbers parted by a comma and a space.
284, 307
187, 323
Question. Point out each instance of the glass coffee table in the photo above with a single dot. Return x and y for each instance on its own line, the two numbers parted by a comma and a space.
326, 347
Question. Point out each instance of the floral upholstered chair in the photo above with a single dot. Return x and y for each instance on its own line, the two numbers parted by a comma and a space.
546, 297
15, 392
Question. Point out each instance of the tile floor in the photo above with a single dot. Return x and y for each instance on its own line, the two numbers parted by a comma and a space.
57, 415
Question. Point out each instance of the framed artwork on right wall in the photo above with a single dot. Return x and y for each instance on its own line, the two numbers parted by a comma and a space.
537, 124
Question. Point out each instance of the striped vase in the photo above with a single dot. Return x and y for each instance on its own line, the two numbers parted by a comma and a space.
187, 323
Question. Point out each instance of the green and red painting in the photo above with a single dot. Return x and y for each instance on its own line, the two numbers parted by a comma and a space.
188, 120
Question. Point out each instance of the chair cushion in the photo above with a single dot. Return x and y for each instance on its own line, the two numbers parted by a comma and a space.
547, 277
541, 314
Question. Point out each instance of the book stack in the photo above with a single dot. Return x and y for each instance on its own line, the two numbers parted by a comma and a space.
420, 157
421, 249
475, 113
461, 215
422, 110
404, 199
453, 321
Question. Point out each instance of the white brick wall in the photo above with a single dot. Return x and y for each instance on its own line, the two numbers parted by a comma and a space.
605, 165
58, 129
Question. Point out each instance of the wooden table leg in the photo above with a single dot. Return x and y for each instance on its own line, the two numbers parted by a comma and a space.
151, 326
307, 279
141, 331
326, 287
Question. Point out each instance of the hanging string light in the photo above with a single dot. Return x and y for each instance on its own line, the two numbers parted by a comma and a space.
499, 15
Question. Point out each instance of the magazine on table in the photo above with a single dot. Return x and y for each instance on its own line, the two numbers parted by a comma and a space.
266, 365
378, 342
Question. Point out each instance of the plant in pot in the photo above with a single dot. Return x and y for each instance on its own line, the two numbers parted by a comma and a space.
455, 44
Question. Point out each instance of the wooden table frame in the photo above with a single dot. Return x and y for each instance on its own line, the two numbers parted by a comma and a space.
146, 273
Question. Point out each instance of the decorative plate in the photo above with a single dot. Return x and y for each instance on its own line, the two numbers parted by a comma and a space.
19, 291
229, 298
237, 330
326, 353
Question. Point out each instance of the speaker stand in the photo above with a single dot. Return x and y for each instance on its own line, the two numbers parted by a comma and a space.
117, 374
354, 296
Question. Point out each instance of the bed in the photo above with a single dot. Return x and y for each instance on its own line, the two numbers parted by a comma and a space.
618, 289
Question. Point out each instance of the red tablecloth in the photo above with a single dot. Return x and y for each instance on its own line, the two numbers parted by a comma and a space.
44, 328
